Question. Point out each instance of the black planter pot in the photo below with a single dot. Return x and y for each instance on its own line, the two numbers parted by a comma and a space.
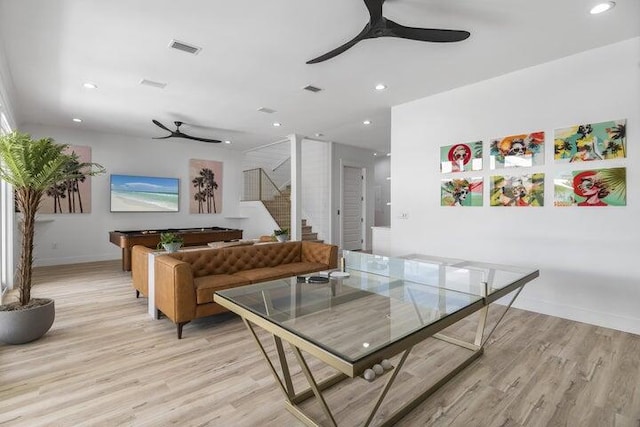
23, 326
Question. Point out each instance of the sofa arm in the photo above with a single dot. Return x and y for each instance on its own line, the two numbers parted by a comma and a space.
320, 252
175, 294
140, 269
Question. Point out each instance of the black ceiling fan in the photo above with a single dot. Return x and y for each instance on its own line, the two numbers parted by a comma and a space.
379, 26
178, 134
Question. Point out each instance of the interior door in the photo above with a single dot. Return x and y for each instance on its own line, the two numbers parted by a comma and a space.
352, 202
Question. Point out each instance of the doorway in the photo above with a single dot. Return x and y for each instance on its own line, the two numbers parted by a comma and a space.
353, 221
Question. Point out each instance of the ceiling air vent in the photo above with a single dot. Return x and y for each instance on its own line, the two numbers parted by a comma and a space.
151, 83
266, 110
311, 88
185, 47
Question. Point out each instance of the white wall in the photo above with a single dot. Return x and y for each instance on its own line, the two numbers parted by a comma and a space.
316, 182
6, 192
352, 156
259, 221
84, 237
589, 258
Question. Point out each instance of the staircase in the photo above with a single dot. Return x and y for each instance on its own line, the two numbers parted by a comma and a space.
258, 186
308, 234
280, 210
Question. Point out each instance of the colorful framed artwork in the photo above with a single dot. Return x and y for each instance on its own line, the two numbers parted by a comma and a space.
517, 151
72, 196
205, 194
591, 141
132, 193
594, 187
461, 157
520, 191
461, 192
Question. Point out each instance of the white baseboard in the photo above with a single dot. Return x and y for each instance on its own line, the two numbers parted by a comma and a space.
579, 314
72, 260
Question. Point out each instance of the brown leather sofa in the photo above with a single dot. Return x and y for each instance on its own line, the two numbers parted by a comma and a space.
140, 269
186, 281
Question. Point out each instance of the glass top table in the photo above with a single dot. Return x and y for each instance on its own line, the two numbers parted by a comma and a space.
383, 300
375, 309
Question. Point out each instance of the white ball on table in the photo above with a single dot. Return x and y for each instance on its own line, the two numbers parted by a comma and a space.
378, 369
369, 375
386, 365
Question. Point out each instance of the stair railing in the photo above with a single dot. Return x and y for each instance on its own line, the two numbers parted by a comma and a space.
258, 186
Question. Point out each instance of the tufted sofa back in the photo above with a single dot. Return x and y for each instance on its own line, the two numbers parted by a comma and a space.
230, 260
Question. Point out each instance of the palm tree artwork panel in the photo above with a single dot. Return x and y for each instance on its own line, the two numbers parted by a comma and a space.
73, 195
461, 157
205, 186
461, 192
524, 150
517, 191
591, 188
591, 141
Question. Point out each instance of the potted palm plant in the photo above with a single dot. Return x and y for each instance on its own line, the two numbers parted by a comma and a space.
31, 167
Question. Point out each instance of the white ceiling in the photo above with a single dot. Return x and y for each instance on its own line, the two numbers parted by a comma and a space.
254, 53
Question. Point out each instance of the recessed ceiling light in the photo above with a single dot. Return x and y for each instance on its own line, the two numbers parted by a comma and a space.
77, 120
277, 124
366, 122
380, 86
602, 7
318, 135
89, 85
227, 142
375, 154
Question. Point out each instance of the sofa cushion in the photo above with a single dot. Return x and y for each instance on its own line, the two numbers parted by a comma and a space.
204, 262
259, 256
296, 268
205, 286
263, 274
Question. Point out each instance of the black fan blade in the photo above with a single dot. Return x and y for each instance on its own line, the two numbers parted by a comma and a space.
425, 34
195, 138
157, 123
337, 51
162, 137
375, 9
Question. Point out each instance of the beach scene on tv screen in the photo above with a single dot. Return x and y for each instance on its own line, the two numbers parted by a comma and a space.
144, 194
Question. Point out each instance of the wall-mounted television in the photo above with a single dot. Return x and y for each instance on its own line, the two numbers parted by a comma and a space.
130, 193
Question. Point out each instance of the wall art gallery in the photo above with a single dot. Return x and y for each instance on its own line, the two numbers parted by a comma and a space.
572, 145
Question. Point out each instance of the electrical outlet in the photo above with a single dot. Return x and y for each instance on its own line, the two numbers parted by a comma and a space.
404, 215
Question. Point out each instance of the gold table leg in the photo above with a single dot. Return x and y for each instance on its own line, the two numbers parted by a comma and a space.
316, 388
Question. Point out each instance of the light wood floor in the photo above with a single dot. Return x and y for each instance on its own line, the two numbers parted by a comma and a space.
106, 363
